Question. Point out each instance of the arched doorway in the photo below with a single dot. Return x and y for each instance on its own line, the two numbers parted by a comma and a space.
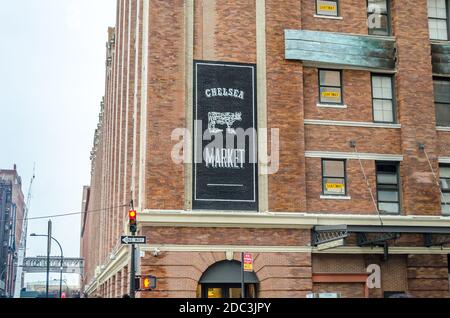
224, 280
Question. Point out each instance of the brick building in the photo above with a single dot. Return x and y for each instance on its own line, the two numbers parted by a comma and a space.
351, 105
11, 213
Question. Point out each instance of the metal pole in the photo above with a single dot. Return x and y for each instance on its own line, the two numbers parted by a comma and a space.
133, 271
49, 247
60, 276
242, 276
61, 267
133, 262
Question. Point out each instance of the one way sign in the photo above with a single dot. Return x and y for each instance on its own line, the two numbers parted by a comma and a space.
128, 240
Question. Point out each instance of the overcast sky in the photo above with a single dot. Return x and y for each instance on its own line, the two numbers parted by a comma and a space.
52, 66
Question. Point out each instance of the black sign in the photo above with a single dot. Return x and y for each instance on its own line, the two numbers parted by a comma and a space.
128, 240
225, 140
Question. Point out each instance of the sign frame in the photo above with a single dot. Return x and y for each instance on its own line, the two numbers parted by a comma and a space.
221, 203
130, 240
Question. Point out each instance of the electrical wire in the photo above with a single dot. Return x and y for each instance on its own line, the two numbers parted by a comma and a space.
355, 149
71, 213
444, 200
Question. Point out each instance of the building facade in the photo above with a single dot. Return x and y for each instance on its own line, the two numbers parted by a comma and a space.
338, 180
11, 214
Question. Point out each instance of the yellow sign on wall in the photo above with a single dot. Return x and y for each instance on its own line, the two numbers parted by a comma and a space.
331, 94
248, 262
334, 186
325, 7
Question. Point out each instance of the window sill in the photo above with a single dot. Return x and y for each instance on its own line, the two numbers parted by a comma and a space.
382, 213
327, 17
335, 197
332, 106
351, 124
442, 128
439, 41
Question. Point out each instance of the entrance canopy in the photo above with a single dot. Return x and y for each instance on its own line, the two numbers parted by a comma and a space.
227, 272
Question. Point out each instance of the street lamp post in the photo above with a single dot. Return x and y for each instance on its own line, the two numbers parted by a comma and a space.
62, 261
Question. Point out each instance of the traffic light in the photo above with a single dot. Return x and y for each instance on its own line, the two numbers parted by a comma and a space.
147, 283
132, 215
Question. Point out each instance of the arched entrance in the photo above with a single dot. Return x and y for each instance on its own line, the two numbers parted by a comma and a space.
223, 280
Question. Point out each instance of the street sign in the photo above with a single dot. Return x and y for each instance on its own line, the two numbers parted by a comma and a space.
332, 244
128, 240
248, 262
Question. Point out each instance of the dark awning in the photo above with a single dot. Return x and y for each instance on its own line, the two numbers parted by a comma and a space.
433, 235
227, 272
384, 229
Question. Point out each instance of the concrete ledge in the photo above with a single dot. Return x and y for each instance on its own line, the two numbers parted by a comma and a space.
279, 220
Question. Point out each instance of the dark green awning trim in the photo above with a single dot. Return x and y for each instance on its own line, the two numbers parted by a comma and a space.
227, 272
383, 229
341, 49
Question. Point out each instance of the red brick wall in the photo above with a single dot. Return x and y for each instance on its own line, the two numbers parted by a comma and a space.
357, 95
179, 273
164, 180
227, 32
337, 138
227, 236
360, 203
285, 108
344, 290
444, 143
231, 37
353, 13
428, 276
415, 106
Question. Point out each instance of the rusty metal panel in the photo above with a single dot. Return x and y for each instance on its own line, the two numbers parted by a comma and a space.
341, 49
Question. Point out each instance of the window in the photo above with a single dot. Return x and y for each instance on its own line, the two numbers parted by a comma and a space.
388, 189
445, 187
378, 17
327, 8
442, 101
383, 99
333, 177
330, 87
438, 13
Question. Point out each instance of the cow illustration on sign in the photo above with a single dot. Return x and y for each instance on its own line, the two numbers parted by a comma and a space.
228, 119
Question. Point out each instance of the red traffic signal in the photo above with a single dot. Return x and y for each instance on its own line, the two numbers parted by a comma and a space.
132, 215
